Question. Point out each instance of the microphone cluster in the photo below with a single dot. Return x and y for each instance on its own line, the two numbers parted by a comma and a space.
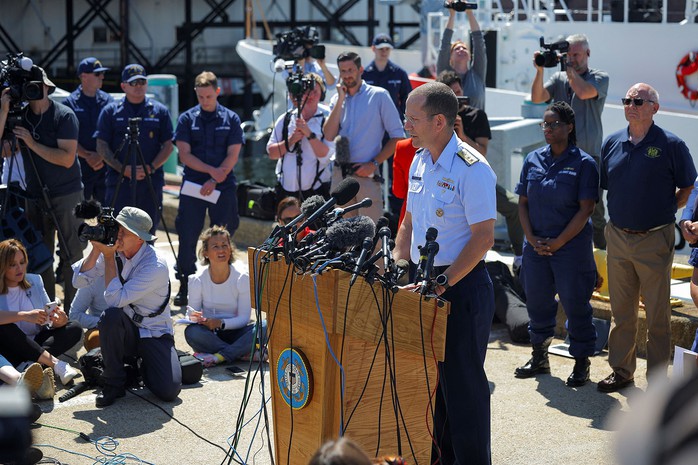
337, 242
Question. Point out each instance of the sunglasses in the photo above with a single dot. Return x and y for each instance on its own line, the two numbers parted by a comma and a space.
638, 102
545, 125
287, 220
138, 82
99, 73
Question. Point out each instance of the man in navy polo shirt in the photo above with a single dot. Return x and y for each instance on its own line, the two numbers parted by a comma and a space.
384, 73
155, 139
87, 101
648, 173
208, 138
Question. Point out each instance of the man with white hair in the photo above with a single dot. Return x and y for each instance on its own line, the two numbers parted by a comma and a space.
584, 89
138, 321
648, 173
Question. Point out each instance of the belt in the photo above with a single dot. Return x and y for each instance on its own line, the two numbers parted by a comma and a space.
634, 231
440, 269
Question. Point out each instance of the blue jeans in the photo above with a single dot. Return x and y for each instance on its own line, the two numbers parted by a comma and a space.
232, 344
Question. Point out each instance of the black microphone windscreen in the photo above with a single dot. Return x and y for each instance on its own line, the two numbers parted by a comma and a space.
382, 222
432, 234
350, 232
341, 148
311, 204
345, 190
88, 209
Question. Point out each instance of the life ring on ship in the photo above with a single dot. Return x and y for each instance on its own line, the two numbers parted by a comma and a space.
687, 66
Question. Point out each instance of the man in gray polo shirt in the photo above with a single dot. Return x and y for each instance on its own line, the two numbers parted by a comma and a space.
584, 89
362, 114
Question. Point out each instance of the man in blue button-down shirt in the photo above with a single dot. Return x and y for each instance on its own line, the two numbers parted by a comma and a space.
209, 138
362, 114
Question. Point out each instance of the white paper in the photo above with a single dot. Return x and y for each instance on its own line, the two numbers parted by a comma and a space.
184, 321
684, 363
194, 190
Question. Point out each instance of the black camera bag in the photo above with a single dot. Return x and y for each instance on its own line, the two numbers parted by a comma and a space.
256, 200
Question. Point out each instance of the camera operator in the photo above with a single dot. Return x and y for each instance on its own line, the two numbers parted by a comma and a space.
209, 138
584, 89
471, 65
49, 131
307, 64
154, 140
87, 101
311, 175
138, 321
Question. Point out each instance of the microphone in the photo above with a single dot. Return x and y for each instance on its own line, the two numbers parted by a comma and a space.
308, 207
380, 224
431, 236
343, 193
384, 233
365, 250
341, 236
279, 65
402, 268
342, 155
338, 212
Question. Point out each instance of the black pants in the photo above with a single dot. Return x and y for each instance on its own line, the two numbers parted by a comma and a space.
323, 191
17, 347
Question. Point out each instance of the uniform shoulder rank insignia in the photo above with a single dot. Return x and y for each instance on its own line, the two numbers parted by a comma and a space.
468, 157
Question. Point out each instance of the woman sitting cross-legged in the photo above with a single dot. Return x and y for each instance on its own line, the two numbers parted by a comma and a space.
219, 304
27, 331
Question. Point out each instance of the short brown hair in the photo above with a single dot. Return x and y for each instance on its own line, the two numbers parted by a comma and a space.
206, 79
342, 451
284, 204
8, 250
208, 234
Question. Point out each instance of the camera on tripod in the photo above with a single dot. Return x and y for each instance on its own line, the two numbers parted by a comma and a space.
552, 54
298, 43
105, 231
19, 74
298, 84
133, 130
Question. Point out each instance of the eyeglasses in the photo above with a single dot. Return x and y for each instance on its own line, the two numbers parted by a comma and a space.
545, 125
414, 122
638, 102
138, 82
99, 73
286, 220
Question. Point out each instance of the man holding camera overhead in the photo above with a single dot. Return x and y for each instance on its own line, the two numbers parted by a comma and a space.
49, 131
584, 89
151, 120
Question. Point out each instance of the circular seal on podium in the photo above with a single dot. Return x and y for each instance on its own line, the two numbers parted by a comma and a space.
294, 378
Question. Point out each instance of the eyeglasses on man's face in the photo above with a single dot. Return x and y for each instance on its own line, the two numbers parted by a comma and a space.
99, 73
638, 102
138, 82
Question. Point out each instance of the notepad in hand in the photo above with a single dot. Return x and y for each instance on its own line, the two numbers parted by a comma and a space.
193, 189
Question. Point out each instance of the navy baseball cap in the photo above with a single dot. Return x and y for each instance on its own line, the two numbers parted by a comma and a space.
132, 72
91, 65
383, 41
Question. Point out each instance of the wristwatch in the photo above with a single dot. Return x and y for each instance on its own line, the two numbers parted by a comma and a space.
376, 163
312, 136
442, 280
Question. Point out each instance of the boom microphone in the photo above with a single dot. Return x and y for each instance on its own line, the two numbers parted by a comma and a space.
343, 193
342, 155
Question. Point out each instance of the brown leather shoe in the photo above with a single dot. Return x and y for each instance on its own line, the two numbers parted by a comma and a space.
614, 382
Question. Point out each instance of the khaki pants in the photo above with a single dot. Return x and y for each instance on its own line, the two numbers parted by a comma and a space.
639, 264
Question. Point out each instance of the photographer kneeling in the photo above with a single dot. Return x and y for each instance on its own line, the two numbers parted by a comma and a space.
138, 321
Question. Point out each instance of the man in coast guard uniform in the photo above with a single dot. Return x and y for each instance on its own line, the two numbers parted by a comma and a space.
155, 139
452, 188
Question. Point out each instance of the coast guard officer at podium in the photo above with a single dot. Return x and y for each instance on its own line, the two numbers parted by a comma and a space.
452, 188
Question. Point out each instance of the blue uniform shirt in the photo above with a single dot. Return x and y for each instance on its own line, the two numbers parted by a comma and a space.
87, 109
393, 79
450, 195
366, 116
209, 134
642, 179
554, 188
155, 129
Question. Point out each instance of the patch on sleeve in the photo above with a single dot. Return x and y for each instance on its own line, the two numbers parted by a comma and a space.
468, 157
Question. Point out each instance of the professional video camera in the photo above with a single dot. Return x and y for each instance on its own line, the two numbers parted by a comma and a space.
19, 74
105, 231
460, 5
552, 54
298, 43
298, 84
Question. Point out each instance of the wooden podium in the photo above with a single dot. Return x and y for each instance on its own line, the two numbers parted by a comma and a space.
352, 319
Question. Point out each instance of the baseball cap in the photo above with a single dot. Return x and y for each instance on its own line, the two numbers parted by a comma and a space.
383, 41
91, 65
132, 72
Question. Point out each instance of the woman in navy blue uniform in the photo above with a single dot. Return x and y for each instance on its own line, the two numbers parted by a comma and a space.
557, 191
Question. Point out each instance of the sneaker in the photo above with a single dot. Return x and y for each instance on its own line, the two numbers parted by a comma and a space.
48, 385
256, 357
208, 360
65, 372
31, 378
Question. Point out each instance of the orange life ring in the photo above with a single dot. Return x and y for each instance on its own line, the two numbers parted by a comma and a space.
687, 66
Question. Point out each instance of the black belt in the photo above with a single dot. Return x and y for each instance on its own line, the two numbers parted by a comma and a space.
440, 269
635, 231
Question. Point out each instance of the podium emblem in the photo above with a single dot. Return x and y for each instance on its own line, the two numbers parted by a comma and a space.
294, 378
